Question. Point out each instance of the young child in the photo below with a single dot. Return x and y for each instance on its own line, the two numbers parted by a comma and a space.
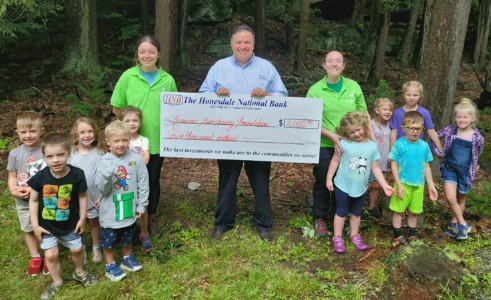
462, 146
57, 207
410, 157
412, 92
122, 178
359, 157
140, 145
25, 161
380, 125
87, 148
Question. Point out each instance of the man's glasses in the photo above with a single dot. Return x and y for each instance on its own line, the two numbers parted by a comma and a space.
414, 129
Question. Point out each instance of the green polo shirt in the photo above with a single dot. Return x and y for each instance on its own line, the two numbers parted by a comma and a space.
336, 105
132, 89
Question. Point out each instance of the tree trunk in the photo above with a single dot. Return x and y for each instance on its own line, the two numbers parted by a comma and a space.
81, 43
417, 48
182, 31
260, 27
409, 32
299, 65
144, 16
290, 29
166, 20
482, 35
358, 11
378, 61
441, 53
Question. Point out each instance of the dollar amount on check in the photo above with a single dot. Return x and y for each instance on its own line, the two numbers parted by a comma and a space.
282, 129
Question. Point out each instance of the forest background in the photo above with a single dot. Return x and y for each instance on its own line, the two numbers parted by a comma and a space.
62, 58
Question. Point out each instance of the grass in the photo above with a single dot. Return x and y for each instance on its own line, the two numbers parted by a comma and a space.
187, 264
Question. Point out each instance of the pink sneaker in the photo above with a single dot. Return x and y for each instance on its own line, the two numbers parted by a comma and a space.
338, 245
358, 242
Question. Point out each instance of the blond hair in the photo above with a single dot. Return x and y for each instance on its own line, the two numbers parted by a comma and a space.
414, 84
354, 119
29, 119
115, 127
380, 102
97, 143
466, 104
412, 117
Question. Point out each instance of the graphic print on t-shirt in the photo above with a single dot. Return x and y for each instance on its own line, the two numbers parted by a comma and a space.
56, 200
358, 164
33, 166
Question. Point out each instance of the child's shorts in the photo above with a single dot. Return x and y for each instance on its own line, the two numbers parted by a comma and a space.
371, 177
24, 218
71, 240
457, 176
92, 213
413, 200
110, 237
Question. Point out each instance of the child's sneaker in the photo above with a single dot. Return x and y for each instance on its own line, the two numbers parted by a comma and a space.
85, 279
96, 255
338, 245
50, 291
375, 213
399, 241
358, 242
45, 267
320, 227
146, 242
462, 231
131, 264
35, 266
451, 229
114, 272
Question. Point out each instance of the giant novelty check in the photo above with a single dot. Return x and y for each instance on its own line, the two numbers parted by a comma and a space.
282, 129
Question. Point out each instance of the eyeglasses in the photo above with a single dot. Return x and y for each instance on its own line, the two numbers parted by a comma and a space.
414, 129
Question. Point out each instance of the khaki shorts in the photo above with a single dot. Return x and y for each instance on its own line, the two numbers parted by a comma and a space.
24, 218
412, 201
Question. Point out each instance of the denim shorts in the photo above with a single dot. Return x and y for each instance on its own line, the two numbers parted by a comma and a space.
71, 240
456, 175
110, 237
345, 204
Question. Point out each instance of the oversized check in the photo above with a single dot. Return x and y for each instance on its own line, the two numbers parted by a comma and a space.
282, 129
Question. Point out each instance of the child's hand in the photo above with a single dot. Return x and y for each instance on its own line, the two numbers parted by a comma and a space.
80, 228
330, 185
97, 203
21, 192
401, 193
433, 193
138, 215
389, 191
38, 232
439, 153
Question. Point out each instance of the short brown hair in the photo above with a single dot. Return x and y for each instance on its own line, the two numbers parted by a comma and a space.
56, 139
29, 119
412, 117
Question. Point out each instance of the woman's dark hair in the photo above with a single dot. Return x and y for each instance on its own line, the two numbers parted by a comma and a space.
147, 39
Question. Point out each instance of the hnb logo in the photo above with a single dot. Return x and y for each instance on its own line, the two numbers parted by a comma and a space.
172, 99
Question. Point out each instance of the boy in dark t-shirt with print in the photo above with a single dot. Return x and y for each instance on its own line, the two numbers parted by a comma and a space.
57, 207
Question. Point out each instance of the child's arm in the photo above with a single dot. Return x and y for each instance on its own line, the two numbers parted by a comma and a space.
333, 166
103, 179
33, 214
393, 137
394, 167
145, 154
431, 184
19, 192
377, 172
143, 189
436, 140
82, 202
372, 133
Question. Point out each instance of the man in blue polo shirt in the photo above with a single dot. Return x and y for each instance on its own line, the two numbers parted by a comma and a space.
243, 73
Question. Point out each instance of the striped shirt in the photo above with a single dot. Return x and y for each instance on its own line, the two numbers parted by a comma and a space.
242, 79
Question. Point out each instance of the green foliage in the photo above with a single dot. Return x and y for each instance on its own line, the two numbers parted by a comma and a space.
20, 17
6, 144
382, 91
89, 98
478, 200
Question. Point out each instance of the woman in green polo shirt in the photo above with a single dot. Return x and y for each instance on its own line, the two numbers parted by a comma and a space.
140, 86
341, 95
